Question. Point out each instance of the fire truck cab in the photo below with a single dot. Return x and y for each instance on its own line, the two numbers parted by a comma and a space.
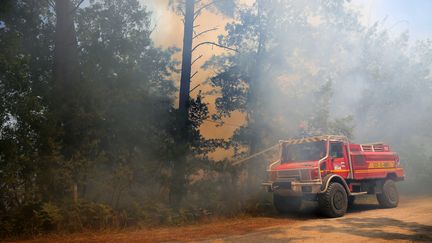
332, 171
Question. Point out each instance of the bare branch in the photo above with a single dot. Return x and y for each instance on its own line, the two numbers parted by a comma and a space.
77, 6
198, 11
191, 77
196, 59
196, 26
182, 12
214, 44
203, 32
222, 123
194, 88
152, 29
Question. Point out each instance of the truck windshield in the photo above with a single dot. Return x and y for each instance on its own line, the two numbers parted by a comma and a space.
303, 152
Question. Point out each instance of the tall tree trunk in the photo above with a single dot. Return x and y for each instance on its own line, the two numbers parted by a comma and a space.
186, 57
178, 176
66, 68
66, 79
255, 168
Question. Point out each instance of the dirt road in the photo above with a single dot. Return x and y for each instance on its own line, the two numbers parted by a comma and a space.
365, 222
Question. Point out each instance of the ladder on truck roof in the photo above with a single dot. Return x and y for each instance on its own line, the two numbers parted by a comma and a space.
373, 147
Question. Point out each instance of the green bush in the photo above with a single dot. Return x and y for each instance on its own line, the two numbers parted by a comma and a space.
88, 215
35, 218
49, 216
22, 220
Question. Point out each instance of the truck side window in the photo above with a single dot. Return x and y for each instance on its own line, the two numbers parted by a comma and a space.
336, 150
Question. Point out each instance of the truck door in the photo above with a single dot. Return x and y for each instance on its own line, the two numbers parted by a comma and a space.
339, 159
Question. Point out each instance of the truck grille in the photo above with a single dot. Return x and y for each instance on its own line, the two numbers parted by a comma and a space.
301, 175
305, 175
289, 174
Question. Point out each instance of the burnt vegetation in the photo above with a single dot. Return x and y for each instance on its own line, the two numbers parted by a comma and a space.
92, 135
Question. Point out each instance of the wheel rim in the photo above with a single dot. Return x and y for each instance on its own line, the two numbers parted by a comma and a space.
338, 200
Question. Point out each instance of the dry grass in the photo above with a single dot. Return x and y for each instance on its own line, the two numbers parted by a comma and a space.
210, 229
220, 228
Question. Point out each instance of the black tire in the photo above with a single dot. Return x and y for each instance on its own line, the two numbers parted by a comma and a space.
286, 204
389, 198
351, 200
333, 202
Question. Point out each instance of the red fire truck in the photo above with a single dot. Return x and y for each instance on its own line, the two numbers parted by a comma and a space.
332, 171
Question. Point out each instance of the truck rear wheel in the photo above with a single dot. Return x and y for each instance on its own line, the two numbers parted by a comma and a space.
389, 198
284, 204
333, 202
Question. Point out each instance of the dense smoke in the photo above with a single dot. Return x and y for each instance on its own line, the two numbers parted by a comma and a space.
318, 64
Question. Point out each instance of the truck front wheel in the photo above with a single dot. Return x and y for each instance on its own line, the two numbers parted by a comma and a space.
284, 204
333, 202
389, 198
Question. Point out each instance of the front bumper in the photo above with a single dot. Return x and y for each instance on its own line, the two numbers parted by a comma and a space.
293, 188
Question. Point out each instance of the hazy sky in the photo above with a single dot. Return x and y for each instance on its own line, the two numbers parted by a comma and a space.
400, 15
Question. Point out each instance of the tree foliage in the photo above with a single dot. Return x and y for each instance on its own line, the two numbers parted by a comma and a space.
115, 120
